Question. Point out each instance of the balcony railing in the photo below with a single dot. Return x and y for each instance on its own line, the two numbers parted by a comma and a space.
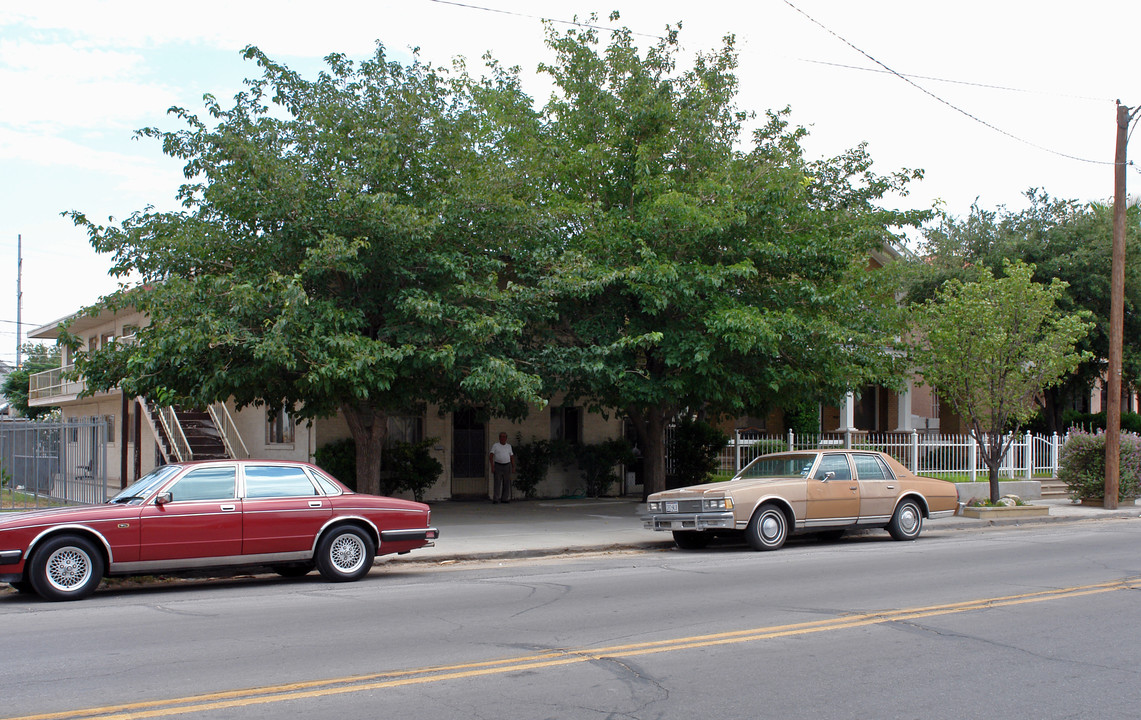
53, 384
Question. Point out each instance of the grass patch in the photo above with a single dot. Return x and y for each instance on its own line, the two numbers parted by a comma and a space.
19, 500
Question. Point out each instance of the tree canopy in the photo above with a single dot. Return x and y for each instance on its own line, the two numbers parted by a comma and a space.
1064, 239
37, 358
989, 347
389, 235
710, 274
345, 246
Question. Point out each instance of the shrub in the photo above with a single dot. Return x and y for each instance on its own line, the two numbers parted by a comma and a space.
532, 461
596, 463
411, 467
693, 449
339, 459
1082, 465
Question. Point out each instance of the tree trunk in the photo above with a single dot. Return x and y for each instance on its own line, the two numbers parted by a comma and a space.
369, 426
650, 427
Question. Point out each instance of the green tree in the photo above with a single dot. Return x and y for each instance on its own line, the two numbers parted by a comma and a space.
346, 245
37, 358
1063, 239
702, 272
990, 347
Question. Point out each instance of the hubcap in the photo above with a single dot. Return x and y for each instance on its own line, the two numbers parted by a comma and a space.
909, 519
347, 553
770, 528
68, 568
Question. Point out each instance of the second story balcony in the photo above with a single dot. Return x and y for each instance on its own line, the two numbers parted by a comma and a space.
51, 386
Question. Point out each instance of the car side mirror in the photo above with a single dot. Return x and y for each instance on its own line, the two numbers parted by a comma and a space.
828, 476
163, 498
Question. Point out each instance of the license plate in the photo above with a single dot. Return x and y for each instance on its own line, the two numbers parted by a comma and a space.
671, 507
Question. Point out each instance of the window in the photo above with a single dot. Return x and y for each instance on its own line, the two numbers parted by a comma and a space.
835, 464
404, 428
212, 483
110, 421
263, 481
280, 428
870, 467
566, 424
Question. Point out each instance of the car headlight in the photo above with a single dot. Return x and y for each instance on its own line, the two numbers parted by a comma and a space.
717, 504
654, 506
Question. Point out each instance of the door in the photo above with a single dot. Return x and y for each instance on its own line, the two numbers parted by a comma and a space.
878, 487
201, 520
833, 495
282, 510
469, 455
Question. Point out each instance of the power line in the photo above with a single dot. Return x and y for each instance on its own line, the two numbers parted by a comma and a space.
968, 83
932, 95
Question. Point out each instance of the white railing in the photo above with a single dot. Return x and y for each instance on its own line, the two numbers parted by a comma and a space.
53, 383
178, 442
1028, 456
228, 429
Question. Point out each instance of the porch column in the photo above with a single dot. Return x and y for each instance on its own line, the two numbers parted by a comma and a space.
848, 413
903, 409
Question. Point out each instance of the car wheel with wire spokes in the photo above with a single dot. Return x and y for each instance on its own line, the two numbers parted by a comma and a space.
66, 567
345, 554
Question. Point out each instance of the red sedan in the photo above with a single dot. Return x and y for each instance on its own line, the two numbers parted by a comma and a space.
214, 514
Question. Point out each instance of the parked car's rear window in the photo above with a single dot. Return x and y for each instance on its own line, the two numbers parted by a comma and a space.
277, 481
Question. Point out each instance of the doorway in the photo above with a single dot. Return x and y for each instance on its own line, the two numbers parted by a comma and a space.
469, 454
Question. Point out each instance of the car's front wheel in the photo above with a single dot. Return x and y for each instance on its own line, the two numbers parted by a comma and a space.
345, 554
691, 539
66, 567
768, 528
907, 522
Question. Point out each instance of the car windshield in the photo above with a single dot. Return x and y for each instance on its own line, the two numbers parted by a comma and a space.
138, 491
774, 466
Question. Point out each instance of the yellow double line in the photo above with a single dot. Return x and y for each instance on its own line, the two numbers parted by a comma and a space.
554, 658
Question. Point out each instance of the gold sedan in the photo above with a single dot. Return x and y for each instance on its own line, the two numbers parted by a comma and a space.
825, 491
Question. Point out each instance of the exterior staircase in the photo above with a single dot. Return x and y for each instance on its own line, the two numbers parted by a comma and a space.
184, 434
1054, 488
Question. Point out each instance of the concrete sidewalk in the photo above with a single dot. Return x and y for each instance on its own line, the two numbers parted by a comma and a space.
537, 528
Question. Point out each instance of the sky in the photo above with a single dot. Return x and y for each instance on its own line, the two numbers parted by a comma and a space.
989, 98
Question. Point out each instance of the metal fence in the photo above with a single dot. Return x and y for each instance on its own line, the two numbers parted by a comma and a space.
52, 463
1030, 456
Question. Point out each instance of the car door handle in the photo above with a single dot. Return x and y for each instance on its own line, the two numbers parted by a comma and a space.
854, 488
891, 487
228, 508
314, 503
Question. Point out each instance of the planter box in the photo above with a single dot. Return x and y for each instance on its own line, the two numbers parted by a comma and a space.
1025, 489
1005, 513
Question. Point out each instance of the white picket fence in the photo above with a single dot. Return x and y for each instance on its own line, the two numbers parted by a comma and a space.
1030, 456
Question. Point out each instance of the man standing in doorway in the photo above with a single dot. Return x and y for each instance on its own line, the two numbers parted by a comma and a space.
502, 466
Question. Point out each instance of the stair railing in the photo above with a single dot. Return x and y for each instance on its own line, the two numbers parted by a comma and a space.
173, 428
228, 429
153, 423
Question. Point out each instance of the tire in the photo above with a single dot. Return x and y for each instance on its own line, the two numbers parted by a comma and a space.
767, 529
66, 567
293, 570
907, 521
345, 554
691, 539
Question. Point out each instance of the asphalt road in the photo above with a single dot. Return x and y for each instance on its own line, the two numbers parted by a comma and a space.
1006, 623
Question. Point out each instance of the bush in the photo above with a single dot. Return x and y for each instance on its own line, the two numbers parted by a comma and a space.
532, 460
411, 467
693, 449
1082, 465
339, 459
1130, 422
596, 463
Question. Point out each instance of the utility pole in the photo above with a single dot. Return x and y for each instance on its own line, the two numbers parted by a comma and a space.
1116, 314
19, 292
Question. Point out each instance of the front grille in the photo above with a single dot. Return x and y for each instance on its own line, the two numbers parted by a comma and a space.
683, 506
